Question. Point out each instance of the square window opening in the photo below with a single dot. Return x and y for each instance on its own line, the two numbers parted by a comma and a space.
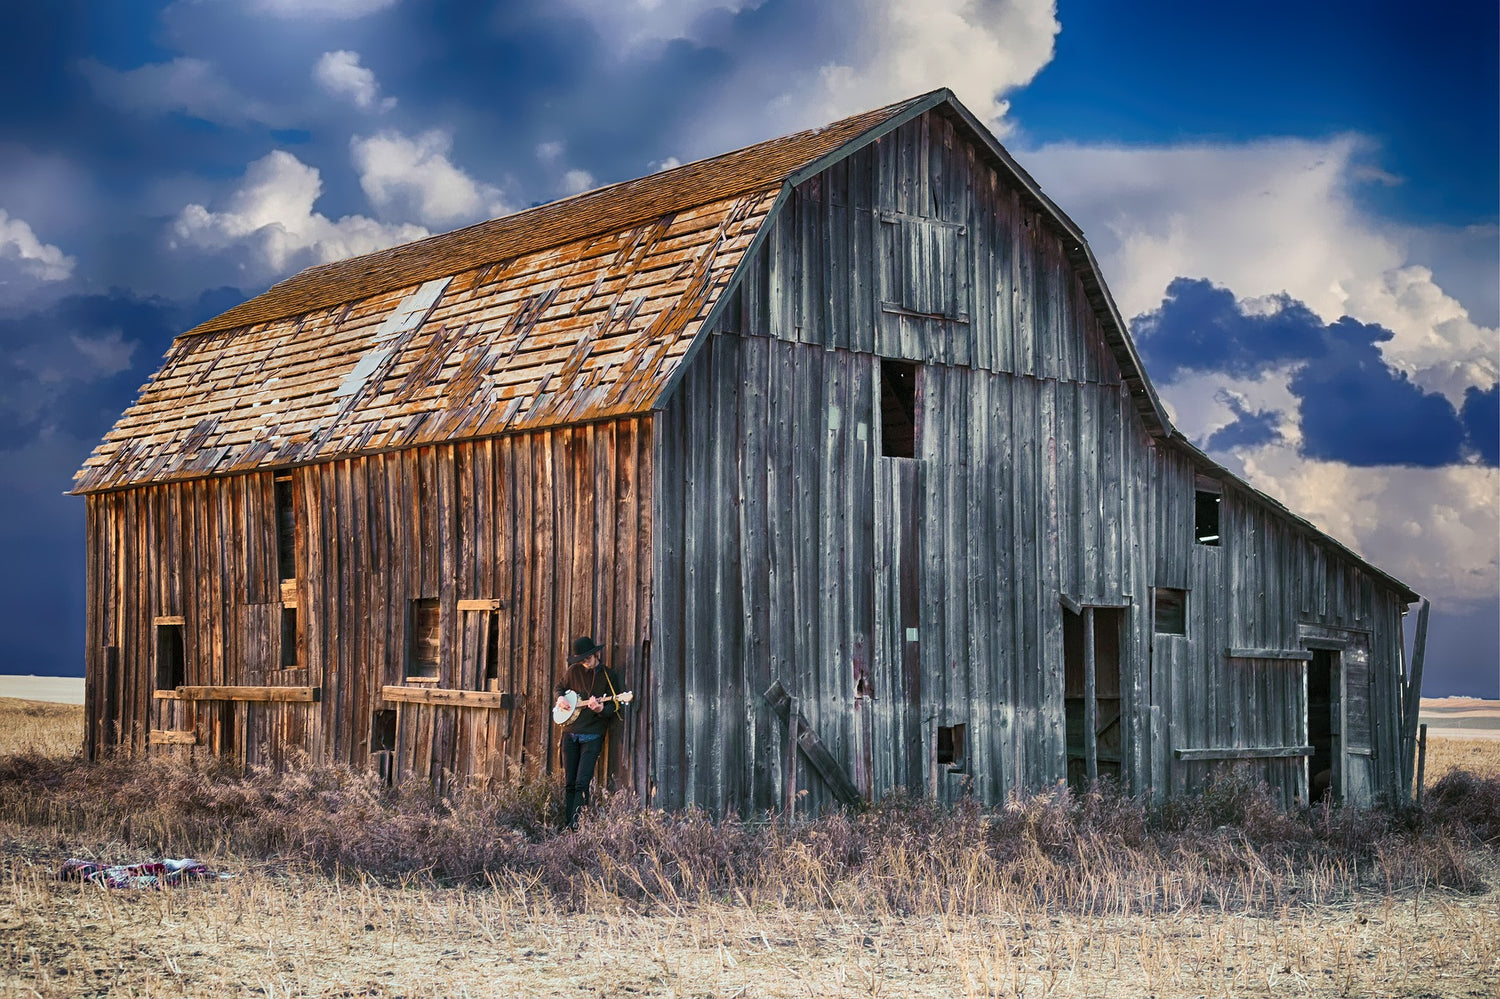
289, 656
898, 408
286, 529
1206, 518
1171, 611
950, 747
422, 647
171, 662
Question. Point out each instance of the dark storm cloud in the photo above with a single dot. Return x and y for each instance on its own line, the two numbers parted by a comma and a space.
1249, 429
1481, 416
1354, 407
1201, 327
1357, 410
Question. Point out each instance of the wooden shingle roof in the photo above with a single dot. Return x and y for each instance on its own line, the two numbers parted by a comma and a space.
576, 310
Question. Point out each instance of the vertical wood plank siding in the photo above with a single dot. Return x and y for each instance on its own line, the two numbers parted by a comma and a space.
556, 524
782, 552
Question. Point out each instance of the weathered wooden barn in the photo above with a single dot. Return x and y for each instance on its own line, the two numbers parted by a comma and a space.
843, 427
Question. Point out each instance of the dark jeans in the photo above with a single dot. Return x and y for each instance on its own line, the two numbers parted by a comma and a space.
579, 757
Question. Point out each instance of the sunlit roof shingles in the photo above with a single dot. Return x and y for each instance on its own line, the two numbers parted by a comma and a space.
627, 273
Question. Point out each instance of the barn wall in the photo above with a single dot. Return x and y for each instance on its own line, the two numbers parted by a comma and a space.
791, 550
553, 525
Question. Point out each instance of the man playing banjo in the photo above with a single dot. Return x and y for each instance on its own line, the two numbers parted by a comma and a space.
589, 699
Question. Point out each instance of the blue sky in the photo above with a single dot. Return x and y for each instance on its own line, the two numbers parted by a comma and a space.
1295, 204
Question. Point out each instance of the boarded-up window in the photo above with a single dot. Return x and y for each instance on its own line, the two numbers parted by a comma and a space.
925, 266
898, 409
1171, 611
422, 646
171, 660
286, 529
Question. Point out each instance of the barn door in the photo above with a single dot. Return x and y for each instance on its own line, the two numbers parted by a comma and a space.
1337, 720
895, 715
1091, 694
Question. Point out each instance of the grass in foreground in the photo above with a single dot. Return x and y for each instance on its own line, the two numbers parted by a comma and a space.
349, 889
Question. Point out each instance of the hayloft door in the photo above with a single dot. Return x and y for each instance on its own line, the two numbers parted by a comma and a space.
898, 759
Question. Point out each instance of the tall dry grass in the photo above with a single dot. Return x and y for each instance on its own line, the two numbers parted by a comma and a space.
350, 888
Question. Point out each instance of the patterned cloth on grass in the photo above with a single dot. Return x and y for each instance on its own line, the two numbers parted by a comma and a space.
152, 874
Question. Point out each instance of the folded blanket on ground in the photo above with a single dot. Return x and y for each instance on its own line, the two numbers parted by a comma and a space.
151, 874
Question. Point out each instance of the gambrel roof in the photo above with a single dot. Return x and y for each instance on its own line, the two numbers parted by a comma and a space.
582, 309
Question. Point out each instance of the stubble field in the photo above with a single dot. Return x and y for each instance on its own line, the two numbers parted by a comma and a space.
338, 891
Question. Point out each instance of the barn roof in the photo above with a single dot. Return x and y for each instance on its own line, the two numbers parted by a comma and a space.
577, 310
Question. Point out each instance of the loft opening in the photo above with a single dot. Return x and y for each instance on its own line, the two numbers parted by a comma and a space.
898, 408
1207, 494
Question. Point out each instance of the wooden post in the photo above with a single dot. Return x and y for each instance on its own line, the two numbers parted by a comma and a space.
1421, 762
1413, 699
790, 781
1090, 700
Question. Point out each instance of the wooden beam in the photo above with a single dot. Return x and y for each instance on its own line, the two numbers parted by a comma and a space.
1071, 605
1252, 753
1292, 655
481, 605
1090, 701
812, 747
257, 693
164, 737
448, 695
168, 619
1413, 700
166, 695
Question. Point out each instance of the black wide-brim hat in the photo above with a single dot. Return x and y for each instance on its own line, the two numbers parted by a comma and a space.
583, 647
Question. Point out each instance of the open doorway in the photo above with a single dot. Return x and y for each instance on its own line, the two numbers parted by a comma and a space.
1324, 772
1091, 694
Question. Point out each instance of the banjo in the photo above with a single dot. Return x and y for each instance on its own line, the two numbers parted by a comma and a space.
562, 715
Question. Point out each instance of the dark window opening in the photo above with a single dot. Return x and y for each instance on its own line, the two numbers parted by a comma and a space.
1171, 611
383, 745
898, 409
286, 529
171, 664
1206, 518
950, 747
422, 649
289, 657
492, 651
1324, 716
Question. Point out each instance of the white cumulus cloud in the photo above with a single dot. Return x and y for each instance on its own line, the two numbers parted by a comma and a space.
26, 256
341, 74
629, 24
1262, 218
410, 177
188, 86
269, 225
981, 49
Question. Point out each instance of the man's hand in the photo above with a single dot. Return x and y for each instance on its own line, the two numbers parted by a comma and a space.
562, 702
594, 704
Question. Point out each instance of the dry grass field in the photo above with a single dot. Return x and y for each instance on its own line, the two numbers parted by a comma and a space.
340, 890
